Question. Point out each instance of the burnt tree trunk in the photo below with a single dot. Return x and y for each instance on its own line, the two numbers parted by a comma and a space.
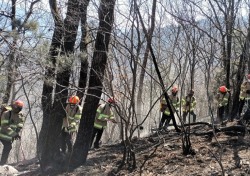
49, 78
149, 34
83, 139
11, 62
57, 113
230, 16
83, 49
244, 57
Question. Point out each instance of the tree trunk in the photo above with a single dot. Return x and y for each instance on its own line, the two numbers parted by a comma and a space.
83, 49
149, 34
11, 64
50, 76
83, 139
244, 57
230, 21
193, 61
51, 145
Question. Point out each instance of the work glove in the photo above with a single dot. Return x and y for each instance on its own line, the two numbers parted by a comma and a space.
18, 129
110, 120
17, 137
114, 121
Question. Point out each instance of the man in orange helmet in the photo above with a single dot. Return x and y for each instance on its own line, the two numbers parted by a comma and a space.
104, 114
222, 99
166, 117
12, 122
188, 105
70, 123
244, 94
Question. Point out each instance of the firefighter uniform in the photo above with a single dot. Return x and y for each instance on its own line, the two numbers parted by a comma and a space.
12, 122
244, 95
174, 101
70, 126
103, 114
222, 100
188, 105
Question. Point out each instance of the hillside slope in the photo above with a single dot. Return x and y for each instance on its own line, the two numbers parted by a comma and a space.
161, 154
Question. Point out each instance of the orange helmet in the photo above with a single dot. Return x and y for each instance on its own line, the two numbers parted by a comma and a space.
174, 90
111, 100
74, 99
18, 103
248, 76
223, 89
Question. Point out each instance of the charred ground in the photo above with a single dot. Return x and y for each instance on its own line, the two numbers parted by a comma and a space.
161, 154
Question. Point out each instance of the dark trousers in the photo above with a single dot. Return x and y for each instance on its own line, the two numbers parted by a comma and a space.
7, 146
165, 120
191, 113
241, 104
98, 134
66, 141
220, 113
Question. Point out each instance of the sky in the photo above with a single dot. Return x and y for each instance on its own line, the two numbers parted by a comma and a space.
163, 18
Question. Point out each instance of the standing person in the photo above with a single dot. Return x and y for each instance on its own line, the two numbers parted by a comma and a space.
104, 113
12, 122
222, 99
188, 104
174, 100
70, 123
244, 94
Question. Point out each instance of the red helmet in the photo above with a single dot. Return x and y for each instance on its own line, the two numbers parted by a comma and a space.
74, 99
248, 76
223, 89
111, 100
18, 103
174, 90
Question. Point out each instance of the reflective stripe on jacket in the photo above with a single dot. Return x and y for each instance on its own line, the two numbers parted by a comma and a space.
222, 99
245, 91
72, 119
174, 101
188, 103
103, 113
11, 124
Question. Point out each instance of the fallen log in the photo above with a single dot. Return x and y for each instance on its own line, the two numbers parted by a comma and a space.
235, 128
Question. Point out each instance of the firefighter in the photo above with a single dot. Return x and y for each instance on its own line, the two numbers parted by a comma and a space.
104, 114
222, 99
174, 101
70, 123
12, 122
244, 94
188, 104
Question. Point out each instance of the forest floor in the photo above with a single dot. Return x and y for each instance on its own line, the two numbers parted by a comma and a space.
161, 154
